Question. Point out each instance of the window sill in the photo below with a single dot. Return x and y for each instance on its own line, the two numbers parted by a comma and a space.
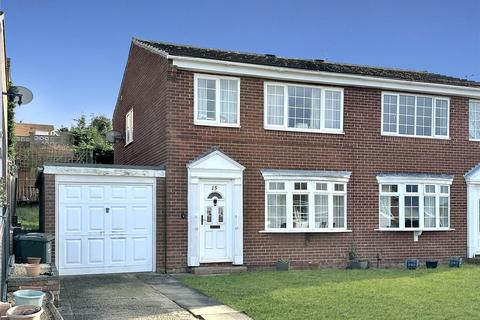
216, 124
472, 139
318, 230
304, 130
413, 229
128, 143
386, 134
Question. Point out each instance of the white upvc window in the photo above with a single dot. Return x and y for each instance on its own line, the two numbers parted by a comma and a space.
474, 119
414, 205
216, 101
415, 115
305, 205
297, 107
129, 127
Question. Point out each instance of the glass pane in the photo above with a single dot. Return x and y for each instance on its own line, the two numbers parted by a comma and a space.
389, 188
429, 212
339, 211
228, 101
406, 115
412, 212
333, 109
424, 116
441, 117
389, 212
277, 211
474, 119
209, 214
276, 185
303, 107
300, 186
220, 214
412, 188
444, 189
321, 211
300, 211
429, 188
444, 212
389, 113
275, 105
321, 186
339, 187
206, 99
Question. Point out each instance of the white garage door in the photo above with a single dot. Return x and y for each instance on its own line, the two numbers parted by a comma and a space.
104, 228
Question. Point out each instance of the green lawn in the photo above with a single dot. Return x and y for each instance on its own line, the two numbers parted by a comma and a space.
444, 293
28, 216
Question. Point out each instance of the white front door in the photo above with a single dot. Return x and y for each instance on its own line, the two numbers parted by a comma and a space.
104, 228
215, 233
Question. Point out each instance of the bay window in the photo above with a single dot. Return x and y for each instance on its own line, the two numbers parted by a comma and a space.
216, 100
419, 205
304, 203
415, 115
303, 108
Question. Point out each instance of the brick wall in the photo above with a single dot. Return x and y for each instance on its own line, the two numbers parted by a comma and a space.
48, 207
361, 150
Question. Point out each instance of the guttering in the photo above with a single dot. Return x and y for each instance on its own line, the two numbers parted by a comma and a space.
339, 79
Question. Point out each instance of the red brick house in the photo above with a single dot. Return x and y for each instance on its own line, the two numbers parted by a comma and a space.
269, 157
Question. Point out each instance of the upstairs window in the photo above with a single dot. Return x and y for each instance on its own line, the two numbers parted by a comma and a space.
416, 116
422, 206
303, 108
216, 101
474, 119
129, 127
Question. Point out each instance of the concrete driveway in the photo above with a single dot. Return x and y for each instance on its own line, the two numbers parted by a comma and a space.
122, 296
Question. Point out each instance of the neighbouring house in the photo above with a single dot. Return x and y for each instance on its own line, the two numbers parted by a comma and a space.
27, 129
253, 157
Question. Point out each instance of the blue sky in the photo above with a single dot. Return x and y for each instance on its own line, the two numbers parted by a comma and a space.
72, 54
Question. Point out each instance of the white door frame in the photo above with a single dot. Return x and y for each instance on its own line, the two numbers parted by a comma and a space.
82, 179
472, 178
214, 166
228, 218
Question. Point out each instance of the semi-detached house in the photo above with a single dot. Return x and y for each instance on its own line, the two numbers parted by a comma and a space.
268, 157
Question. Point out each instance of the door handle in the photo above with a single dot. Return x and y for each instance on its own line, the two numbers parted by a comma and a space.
201, 220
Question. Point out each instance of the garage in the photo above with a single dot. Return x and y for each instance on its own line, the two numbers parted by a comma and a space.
104, 217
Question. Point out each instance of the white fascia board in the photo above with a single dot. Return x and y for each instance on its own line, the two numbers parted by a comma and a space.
338, 79
90, 171
412, 179
306, 175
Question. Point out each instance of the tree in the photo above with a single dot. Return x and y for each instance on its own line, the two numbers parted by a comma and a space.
91, 137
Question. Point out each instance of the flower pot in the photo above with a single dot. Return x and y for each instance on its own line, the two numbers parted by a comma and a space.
4, 306
34, 260
33, 270
455, 262
25, 312
358, 264
431, 264
28, 297
412, 264
283, 266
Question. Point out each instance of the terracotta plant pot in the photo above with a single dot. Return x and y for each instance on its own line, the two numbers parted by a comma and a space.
33, 270
25, 312
4, 306
34, 260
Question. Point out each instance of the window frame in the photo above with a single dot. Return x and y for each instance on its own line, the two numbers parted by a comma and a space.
285, 126
402, 193
470, 101
216, 122
416, 95
311, 191
129, 131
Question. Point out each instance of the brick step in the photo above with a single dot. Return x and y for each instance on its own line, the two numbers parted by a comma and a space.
217, 270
